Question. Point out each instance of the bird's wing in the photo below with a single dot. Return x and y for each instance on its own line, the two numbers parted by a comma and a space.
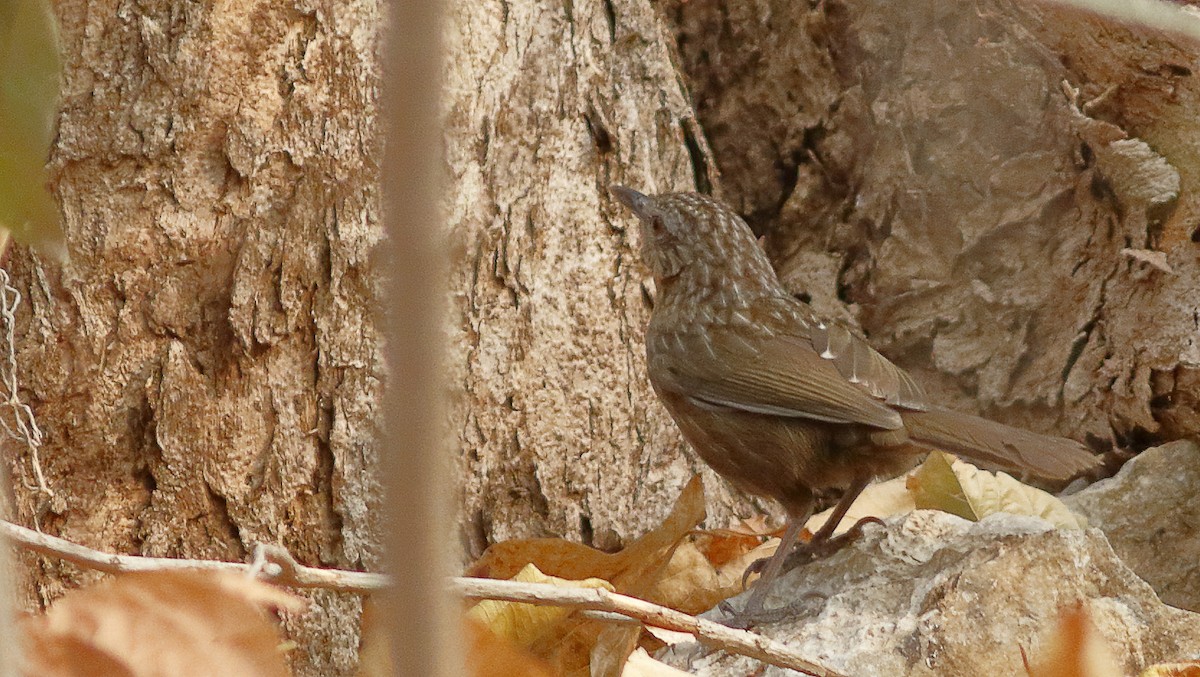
776, 374
860, 364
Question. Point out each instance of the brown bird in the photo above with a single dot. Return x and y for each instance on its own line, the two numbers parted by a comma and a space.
780, 402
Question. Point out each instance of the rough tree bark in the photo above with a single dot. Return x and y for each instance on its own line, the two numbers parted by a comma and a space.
205, 368
548, 103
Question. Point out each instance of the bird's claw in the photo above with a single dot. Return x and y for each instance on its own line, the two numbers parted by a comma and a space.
746, 618
755, 567
820, 549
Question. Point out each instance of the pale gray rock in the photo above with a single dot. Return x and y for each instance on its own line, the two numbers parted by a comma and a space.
1151, 517
933, 594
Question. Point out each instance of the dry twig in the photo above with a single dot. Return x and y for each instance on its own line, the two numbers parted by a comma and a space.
596, 599
276, 565
271, 562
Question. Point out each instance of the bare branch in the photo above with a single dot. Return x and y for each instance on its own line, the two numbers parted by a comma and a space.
272, 563
735, 641
276, 565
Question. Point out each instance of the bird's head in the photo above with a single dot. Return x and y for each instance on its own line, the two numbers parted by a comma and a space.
693, 236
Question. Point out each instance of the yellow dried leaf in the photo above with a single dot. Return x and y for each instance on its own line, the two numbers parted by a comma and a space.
523, 624
948, 484
934, 486
878, 500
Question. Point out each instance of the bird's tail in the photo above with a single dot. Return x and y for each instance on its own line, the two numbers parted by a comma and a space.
998, 445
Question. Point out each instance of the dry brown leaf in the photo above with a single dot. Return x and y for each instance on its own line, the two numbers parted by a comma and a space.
1075, 649
165, 623
575, 643
627, 570
552, 556
692, 584
612, 648
721, 546
491, 656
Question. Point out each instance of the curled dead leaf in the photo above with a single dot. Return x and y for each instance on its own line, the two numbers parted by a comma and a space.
577, 646
160, 624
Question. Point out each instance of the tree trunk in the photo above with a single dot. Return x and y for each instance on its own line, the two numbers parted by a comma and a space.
205, 369
548, 104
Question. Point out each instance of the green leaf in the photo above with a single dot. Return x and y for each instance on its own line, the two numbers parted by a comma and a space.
29, 89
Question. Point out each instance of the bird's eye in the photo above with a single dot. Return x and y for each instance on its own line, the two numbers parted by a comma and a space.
657, 225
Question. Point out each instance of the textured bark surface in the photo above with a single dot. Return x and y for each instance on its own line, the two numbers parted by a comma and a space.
205, 369
549, 103
921, 171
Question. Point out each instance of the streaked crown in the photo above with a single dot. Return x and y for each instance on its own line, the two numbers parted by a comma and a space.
692, 238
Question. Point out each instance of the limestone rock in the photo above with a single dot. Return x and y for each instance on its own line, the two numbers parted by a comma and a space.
933, 594
1149, 513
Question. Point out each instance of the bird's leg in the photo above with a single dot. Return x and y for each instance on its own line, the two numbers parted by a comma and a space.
823, 543
774, 566
839, 511
788, 556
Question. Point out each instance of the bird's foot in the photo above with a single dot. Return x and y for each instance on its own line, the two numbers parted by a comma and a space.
748, 618
816, 549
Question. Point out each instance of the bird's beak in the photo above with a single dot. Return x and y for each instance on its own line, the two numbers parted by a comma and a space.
641, 205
